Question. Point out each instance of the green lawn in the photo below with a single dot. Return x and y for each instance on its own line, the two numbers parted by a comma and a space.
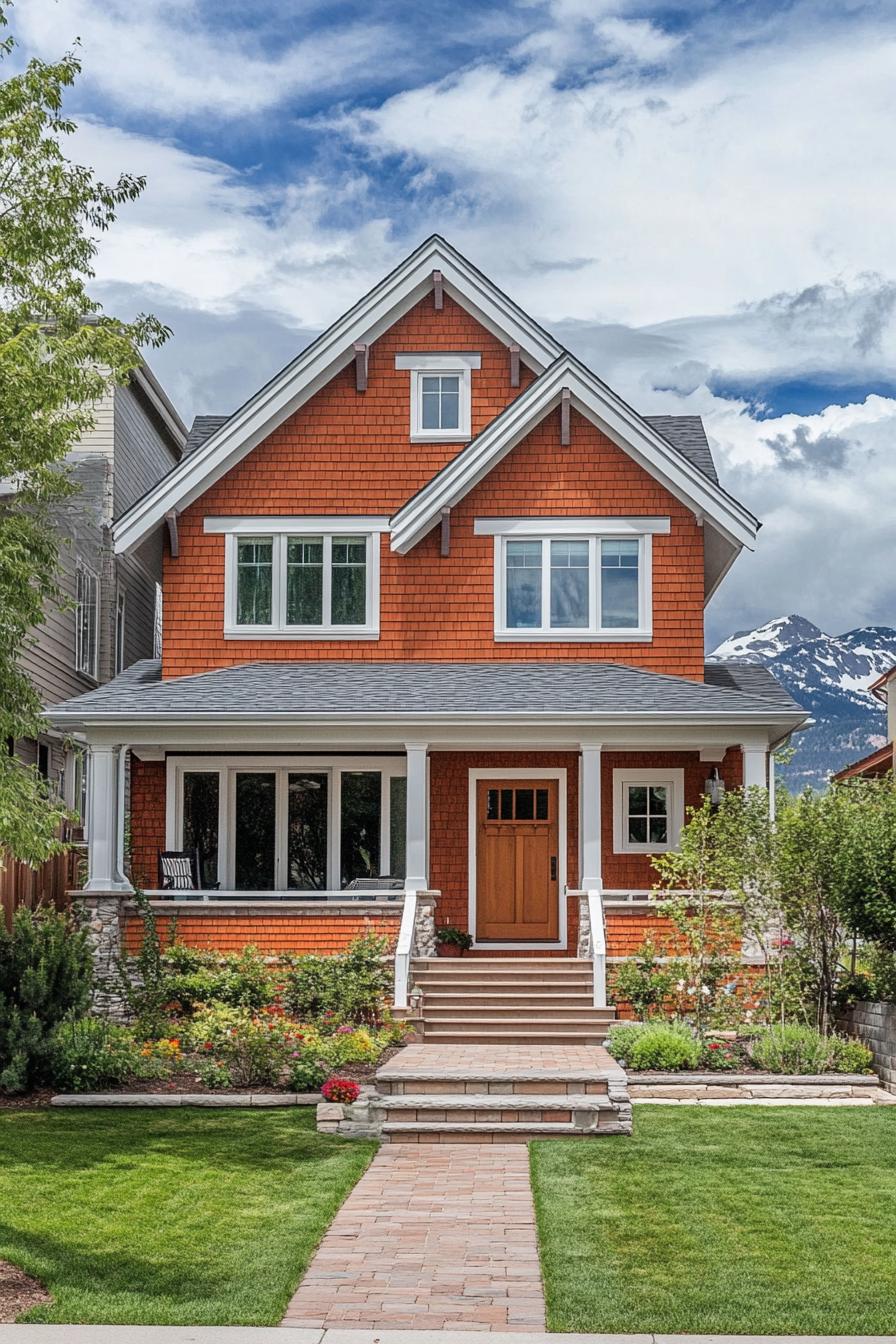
731, 1221
191, 1217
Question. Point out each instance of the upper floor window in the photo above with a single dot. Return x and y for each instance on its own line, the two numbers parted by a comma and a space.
440, 394
320, 581
563, 579
86, 621
119, 631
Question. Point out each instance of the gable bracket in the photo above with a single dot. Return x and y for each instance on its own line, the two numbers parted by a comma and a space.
514, 365
564, 417
173, 539
438, 295
362, 352
445, 540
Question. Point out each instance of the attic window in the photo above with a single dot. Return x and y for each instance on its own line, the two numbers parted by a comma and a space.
440, 395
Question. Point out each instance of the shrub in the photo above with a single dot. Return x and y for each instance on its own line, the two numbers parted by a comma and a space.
90, 1053
349, 1045
792, 1048
448, 934
722, 1055
254, 1048
239, 980
45, 974
622, 1035
643, 982
307, 1075
143, 979
352, 986
662, 1046
341, 1089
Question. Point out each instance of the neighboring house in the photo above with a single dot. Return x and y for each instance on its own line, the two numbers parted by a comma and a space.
433, 609
880, 761
112, 616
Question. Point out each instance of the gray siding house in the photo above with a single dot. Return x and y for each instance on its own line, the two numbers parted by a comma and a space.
113, 615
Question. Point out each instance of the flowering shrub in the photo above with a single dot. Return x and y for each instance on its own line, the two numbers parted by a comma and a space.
341, 1089
306, 1075
90, 1053
254, 1048
796, 1049
193, 978
722, 1055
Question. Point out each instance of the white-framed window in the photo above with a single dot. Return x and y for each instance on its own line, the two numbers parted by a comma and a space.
86, 620
278, 823
295, 578
119, 630
648, 810
576, 578
441, 395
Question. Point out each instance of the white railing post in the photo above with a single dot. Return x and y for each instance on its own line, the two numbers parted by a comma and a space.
404, 949
598, 947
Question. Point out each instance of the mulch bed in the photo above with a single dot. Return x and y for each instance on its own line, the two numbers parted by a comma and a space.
18, 1293
26, 1101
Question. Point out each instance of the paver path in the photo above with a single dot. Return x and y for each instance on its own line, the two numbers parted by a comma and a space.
432, 1237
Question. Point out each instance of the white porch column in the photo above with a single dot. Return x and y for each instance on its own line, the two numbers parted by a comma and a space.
591, 876
755, 765
417, 824
105, 813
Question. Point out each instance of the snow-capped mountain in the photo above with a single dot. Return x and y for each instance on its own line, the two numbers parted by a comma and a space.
829, 676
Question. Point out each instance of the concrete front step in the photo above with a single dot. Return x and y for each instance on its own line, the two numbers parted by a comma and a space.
497, 1035
477, 994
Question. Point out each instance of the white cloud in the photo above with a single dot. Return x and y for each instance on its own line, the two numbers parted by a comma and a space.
164, 58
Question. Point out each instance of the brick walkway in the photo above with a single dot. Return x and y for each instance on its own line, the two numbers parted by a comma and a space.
430, 1238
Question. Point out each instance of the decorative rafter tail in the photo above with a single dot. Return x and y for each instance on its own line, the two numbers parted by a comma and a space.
564, 417
362, 352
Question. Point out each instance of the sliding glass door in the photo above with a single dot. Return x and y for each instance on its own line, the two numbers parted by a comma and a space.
289, 824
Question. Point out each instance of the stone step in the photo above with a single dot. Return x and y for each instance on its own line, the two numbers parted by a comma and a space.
471, 1033
439, 1088
492, 1132
583, 1014
544, 981
535, 996
488, 1103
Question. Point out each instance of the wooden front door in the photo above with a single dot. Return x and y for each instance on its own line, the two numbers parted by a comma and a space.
517, 860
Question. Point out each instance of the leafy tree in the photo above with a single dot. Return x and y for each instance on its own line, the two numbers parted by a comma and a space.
867, 893
58, 354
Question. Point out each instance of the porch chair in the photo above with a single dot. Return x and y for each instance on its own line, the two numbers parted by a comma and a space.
361, 885
179, 870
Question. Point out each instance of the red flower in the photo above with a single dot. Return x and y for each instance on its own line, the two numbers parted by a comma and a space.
341, 1089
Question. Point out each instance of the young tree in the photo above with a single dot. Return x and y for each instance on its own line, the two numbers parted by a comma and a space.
58, 354
867, 895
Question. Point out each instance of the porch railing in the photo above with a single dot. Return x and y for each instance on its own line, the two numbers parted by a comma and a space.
592, 942
416, 938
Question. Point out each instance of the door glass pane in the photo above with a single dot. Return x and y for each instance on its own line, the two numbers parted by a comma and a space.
541, 804
491, 805
255, 831
254, 570
304, 581
398, 806
569, 584
201, 821
523, 573
525, 804
306, 838
507, 804
360, 825
619, 584
349, 600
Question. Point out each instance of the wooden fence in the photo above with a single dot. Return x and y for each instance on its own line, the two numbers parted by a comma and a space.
46, 885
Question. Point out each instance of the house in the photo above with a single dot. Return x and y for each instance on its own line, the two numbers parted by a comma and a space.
112, 614
880, 761
433, 611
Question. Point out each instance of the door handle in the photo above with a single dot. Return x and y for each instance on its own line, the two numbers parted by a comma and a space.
553, 867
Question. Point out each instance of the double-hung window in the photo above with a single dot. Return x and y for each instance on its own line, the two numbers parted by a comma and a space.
301, 578
86, 620
559, 579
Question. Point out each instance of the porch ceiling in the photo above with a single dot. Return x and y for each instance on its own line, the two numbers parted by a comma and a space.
555, 701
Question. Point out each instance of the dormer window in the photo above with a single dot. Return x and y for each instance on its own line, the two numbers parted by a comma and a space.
440, 395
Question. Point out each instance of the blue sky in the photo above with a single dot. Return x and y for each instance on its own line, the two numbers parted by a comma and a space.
698, 199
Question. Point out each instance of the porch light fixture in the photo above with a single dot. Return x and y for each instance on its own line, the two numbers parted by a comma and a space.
714, 788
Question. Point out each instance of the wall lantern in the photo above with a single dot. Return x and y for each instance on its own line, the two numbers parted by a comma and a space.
714, 788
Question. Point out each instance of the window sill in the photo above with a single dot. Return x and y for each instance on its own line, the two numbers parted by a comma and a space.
644, 849
334, 635
440, 436
574, 636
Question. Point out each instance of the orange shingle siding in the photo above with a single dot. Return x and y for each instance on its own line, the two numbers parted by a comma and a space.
297, 932
345, 452
147, 821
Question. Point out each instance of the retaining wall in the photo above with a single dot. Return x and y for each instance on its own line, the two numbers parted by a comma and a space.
875, 1024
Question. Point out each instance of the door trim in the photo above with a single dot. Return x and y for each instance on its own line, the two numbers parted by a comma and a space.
474, 776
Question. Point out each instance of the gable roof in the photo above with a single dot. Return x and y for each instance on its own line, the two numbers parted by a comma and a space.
686, 433
323, 359
605, 408
203, 427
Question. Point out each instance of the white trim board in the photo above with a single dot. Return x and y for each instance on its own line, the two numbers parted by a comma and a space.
570, 526
473, 778
378, 310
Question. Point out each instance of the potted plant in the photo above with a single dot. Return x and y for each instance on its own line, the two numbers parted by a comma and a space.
452, 942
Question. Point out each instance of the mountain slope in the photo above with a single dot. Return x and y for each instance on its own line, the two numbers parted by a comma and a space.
828, 675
